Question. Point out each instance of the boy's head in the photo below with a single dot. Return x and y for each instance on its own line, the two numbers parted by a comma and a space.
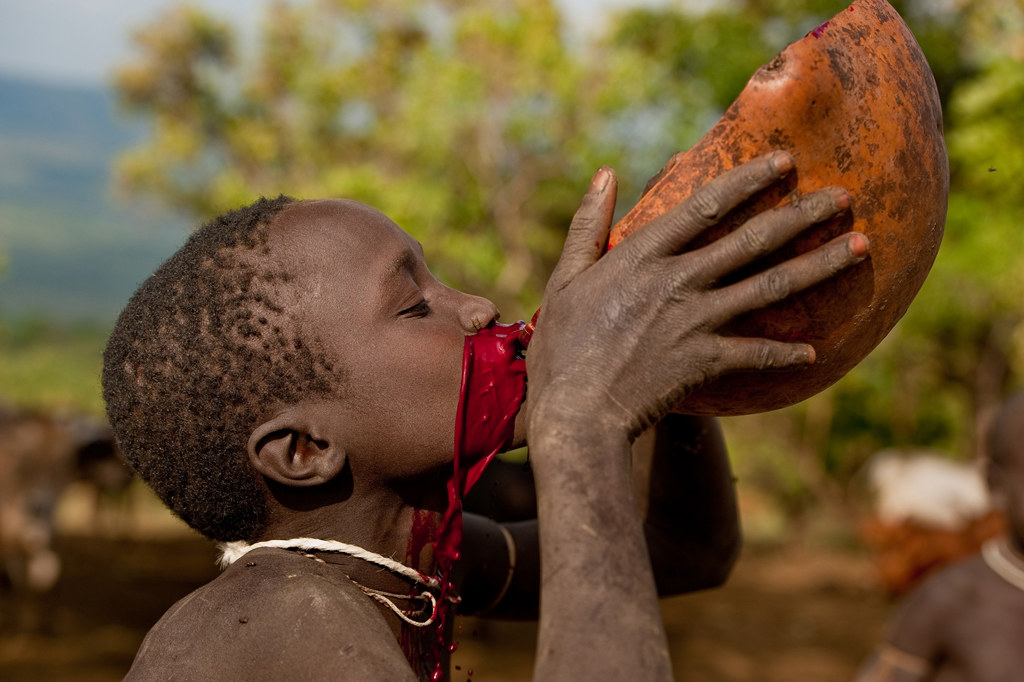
312, 324
200, 350
1005, 448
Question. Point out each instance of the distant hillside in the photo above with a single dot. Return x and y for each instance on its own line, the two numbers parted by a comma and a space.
73, 251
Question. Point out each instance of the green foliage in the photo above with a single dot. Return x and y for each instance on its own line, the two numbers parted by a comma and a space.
51, 367
452, 118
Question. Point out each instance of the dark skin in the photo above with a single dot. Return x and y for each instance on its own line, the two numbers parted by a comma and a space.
620, 340
683, 486
965, 623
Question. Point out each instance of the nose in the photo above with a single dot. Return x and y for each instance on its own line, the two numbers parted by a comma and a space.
476, 313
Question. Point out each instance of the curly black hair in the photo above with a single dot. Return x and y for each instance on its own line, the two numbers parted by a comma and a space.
201, 350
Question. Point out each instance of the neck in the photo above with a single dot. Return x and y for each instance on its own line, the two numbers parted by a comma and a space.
398, 521
383, 519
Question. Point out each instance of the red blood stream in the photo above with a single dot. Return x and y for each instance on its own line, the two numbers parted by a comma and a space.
492, 391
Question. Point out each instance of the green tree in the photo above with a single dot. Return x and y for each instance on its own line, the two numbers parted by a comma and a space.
465, 122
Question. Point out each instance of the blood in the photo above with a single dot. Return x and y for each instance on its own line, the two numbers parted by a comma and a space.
424, 533
821, 29
492, 391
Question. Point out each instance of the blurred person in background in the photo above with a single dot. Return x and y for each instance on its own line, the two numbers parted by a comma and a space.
966, 622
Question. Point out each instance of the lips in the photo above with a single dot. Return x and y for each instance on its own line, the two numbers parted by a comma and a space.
492, 391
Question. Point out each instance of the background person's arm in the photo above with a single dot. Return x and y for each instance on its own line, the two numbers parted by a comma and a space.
686, 490
683, 485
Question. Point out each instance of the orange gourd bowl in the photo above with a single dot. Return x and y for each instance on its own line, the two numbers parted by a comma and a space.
855, 103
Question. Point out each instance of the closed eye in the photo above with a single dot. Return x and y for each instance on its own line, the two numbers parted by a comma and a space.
421, 309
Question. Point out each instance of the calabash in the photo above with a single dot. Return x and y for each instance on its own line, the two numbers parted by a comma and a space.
855, 103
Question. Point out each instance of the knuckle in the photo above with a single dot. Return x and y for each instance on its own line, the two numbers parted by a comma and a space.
635, 258
582, 222
755, 241
775, 285
681, 282
763, 357
706, 205
834, 260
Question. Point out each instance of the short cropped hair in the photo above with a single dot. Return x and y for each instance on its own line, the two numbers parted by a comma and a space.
204, 347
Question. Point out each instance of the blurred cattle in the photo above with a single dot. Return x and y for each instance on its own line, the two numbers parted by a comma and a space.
40, 456
929, 511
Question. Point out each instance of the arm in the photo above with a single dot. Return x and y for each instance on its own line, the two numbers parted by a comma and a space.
683, 486
912, 648
620, 340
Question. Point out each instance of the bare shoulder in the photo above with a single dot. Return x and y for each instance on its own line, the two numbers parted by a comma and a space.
272, 615
922, 624
955, 583
946, 591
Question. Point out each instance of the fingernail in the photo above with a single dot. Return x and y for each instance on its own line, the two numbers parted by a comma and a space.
782, 162
600, 180
811, 355
859, 245
840, 198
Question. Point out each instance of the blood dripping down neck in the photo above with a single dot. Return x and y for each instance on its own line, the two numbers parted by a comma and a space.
492, 392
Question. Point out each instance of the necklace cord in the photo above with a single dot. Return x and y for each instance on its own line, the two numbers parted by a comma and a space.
233, 551
998, 557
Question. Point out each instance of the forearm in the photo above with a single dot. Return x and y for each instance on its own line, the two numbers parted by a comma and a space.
597, 590
622, 337
685, 487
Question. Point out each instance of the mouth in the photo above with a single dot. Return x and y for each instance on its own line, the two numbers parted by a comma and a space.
491, 394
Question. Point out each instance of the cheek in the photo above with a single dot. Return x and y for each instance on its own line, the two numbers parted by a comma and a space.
423, 391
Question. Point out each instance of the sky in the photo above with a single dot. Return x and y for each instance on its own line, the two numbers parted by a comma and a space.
79, 41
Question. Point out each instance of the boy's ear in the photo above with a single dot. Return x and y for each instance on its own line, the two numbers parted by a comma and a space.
293, 449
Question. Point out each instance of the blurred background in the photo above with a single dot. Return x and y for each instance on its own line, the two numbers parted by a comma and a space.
476, 126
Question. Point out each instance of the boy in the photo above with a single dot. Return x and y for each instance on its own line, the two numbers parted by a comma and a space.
966, 623
294, 372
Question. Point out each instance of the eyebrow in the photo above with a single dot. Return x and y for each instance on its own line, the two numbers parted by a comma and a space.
402, 262
393, 271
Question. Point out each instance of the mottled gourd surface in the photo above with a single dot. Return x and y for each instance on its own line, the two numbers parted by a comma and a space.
855, 103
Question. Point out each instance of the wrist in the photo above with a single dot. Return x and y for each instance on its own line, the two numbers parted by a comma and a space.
561, 406
567, 430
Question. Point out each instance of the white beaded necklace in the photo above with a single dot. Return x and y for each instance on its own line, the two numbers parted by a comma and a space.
233, 551
1003, 562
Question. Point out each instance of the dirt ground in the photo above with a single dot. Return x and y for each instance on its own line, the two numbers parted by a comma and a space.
786, 614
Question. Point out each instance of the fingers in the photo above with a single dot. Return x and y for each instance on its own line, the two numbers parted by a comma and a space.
778, 282
588, 232
670, 232
738, 353
768, 231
